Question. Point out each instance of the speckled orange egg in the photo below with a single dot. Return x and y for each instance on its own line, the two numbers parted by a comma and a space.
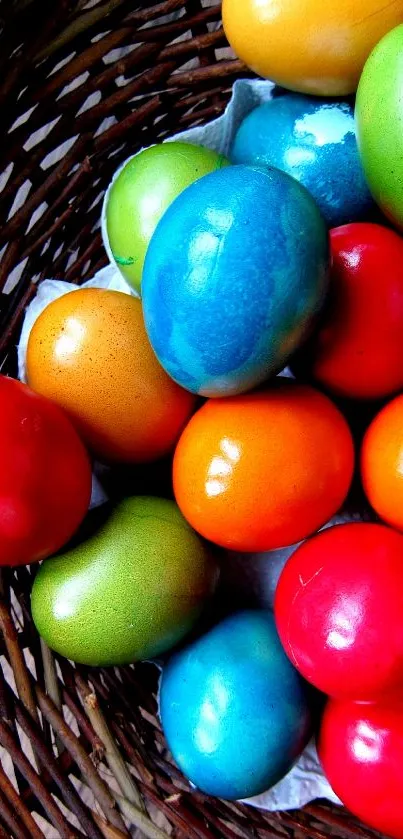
89, 352
309, 45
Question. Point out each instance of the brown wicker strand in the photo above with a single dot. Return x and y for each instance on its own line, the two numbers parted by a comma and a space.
63, 783
82, 760
77, 27
112, 754
54, 180
10, 818
3, 834
55, 815
20, 671
23, 58
138, 818
98, 748
98, 14
338, 821
19, 807
108, 831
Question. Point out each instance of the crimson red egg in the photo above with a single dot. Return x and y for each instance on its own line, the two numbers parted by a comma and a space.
339, 610
45, 477
361, 748
358, 349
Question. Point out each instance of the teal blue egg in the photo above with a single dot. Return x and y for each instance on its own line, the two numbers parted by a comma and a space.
314, 140
234, 276
235, 712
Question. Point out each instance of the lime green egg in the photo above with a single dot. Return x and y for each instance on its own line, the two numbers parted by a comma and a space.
143, 190
130, 592
379, 117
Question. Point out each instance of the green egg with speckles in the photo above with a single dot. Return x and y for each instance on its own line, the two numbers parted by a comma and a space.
131, 592
379, 116
142, 191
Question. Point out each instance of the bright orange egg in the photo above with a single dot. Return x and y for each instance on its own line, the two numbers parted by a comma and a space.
381, 463
309, 45
264, 470
89, 352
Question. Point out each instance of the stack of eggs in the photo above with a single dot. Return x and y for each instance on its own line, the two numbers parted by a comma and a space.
282, 255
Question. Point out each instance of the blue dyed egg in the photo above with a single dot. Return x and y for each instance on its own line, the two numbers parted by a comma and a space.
235, 712
234, 275
314, 141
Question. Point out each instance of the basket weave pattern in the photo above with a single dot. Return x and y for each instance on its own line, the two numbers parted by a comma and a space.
84, 84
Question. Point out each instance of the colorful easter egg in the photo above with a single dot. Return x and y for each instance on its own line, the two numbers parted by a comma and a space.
308, 45
45, 478
88, 351
357, 350
379, 113
314, 141
142, 191
235, 713
339, 606
381, 463
265, 470
361, 746
234, 276
131, 591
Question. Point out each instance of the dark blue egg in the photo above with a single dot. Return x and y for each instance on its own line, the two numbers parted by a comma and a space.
235, 713
313, 140
234, 275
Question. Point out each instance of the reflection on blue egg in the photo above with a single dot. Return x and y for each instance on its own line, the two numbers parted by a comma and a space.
234, 276
313, 140
235, 712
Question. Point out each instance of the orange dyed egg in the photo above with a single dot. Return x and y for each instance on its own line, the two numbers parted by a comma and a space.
88, 351
381, 463
309, 45
264, 470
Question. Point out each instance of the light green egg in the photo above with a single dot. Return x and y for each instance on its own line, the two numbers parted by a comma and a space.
379, 116
130, 592
141, 193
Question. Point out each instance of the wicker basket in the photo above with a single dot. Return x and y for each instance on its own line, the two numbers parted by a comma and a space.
85, 83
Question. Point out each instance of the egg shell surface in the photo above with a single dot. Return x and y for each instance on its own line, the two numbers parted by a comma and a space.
379, 113
129, 592
235, 713
314, 141
234, 276
88, 351
308, 45
360, 747
263, 470
338, 609
142, 191
357, 350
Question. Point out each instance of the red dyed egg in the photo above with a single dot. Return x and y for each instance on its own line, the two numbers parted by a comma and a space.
361, 748
339, 610
358, 349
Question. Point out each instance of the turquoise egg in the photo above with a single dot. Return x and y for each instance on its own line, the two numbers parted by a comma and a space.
235, 713
313, 140
234, 276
